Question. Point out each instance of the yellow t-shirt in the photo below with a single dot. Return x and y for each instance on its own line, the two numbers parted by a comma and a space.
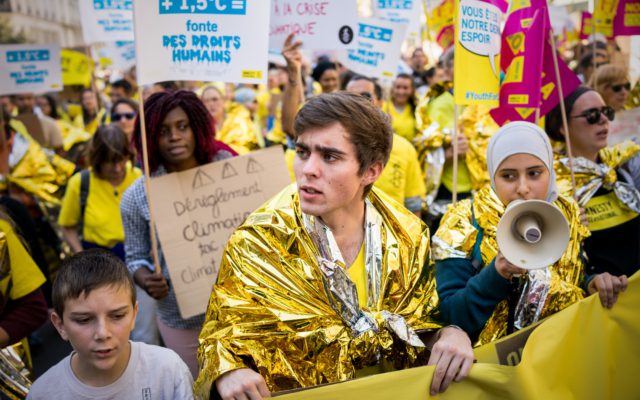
23, 276
403, 123
358, 275
289, 156
401, 178
102, 224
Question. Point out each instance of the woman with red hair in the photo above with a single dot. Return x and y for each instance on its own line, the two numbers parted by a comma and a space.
180, 136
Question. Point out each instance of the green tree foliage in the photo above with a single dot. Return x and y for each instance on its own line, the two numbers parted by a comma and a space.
8, 36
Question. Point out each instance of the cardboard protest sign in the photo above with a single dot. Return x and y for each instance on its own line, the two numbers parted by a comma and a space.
106, 20
76, 68
477, 50
118, 55
30, 69
407, 12
222, 40
324, 25
377, 48
197, 210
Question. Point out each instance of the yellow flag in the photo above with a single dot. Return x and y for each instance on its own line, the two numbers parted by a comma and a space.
582, 352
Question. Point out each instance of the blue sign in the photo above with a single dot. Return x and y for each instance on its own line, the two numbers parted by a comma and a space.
28, 56
395, 4
113, 4
226, 7
375, 32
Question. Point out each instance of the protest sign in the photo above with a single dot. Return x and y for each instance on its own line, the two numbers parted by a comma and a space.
521, 57
76, 68
106, 20
118, 55
627, 18
586, 25
198, 209
407, 12
477, 50
324, 25
440, 21
30, 69
377, 49
222, 40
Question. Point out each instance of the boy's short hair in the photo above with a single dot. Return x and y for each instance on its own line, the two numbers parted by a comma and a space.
86, 271
369, 128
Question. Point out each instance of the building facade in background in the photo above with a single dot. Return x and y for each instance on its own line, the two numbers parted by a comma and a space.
44, 21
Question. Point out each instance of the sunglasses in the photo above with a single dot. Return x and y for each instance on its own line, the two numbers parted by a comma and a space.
618, 88
117, 117
593, 114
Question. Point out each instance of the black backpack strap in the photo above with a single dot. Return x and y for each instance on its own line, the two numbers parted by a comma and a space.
85, 176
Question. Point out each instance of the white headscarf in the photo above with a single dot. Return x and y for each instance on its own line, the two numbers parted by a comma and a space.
518, 138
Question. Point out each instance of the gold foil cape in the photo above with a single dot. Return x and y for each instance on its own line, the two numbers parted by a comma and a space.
37, 170
456, 238
270, 309
238, 130
72, 135
591, 176
475, 123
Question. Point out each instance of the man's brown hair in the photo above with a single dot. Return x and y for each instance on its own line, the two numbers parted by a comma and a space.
369, 128
87, 271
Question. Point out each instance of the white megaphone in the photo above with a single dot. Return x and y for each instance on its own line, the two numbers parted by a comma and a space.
532, 234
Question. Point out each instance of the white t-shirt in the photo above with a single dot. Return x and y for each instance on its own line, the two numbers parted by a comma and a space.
153, 372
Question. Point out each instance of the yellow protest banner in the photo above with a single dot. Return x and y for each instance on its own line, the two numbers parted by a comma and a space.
582, 352
477, 53
76, 68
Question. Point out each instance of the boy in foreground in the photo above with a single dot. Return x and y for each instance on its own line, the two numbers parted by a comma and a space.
95, 309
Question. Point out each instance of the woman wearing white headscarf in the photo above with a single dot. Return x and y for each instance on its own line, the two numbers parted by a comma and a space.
479, 290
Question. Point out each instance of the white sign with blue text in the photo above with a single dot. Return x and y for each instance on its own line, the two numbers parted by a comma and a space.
215, 40
106, 20
377, 48
408, 12
321, 24
30, 69
121, 54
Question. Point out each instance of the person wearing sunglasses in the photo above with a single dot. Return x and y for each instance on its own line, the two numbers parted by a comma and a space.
123, 115
607, 182
612, 82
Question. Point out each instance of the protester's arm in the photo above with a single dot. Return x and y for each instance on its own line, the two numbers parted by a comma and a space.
452, 354
468, 299
22, 316
70, 234
608, 287
138, 244
242, 383
292, 96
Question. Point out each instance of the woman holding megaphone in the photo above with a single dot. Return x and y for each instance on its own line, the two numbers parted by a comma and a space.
481, 290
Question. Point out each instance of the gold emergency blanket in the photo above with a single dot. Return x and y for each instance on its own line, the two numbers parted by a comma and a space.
456, 238
37, 170
590, 176
238, 130
478, 127
275, 309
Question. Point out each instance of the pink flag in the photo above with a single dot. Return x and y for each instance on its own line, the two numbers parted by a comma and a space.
627, 18
548, 86
521, 57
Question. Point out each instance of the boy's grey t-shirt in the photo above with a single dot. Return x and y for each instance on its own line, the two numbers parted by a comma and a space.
153, 372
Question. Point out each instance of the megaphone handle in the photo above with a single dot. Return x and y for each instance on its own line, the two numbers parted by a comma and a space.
512, 302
